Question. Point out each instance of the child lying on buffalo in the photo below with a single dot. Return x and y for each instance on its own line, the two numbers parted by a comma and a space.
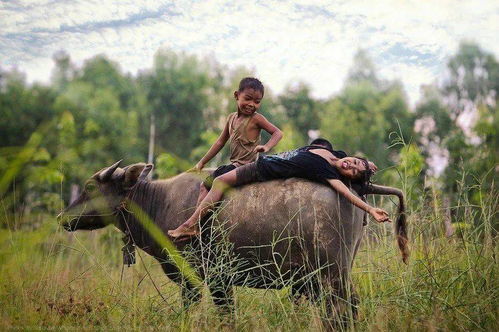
315, 162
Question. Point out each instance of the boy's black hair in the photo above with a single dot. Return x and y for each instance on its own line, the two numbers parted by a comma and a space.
322, 142
251, 83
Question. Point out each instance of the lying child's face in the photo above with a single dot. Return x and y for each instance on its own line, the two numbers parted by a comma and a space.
248, 100
351, 167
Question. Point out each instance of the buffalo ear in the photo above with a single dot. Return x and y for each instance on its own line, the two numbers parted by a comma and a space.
133, 172
145, 172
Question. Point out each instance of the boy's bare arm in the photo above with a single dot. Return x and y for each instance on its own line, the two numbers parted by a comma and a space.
276, 133
215, 148
378, 214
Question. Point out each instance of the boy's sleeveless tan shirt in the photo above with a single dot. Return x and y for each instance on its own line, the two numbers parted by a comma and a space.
241, 148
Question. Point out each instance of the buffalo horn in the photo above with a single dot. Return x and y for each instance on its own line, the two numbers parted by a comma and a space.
108, 172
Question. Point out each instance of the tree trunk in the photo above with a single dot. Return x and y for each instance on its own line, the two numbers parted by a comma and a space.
75, 192
152, 134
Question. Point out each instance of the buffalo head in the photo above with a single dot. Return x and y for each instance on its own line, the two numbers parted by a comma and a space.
102, 197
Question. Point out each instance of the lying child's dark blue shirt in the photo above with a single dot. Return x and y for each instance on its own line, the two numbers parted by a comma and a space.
299, 163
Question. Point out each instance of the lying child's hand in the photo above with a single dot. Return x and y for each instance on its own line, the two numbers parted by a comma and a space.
261, 148
372, 167
379, 214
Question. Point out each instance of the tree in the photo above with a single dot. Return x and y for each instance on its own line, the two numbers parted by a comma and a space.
368, 117
362, 70
103, 73
473, 79
471, 91
460, 124
176, 90
301, 108
63, 72
353, 122
23, 108
433, 127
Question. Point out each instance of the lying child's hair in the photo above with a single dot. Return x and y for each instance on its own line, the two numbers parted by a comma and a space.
251, 83
322, 142
364, 180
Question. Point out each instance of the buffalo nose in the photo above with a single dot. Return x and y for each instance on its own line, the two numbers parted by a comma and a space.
62, 222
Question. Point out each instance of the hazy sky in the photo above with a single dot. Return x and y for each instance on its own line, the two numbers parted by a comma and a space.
283, 41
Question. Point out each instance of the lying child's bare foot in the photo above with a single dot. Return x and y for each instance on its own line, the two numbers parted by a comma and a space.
184, 231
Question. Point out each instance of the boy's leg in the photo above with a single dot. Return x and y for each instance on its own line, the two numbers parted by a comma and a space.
205, 186
203, 191
220, 185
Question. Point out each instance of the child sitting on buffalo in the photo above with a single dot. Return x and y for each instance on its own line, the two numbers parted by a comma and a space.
314, 162
242, 130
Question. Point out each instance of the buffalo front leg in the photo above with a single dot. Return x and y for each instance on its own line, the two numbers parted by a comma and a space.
223, 296
190, 294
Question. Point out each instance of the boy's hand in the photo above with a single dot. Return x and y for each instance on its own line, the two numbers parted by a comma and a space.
261, 148
199, 166
379, 214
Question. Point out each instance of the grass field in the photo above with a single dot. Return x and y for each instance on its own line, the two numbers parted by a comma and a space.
50, 279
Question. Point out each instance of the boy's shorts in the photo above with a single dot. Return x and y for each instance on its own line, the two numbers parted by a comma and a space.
248, 174
208, 182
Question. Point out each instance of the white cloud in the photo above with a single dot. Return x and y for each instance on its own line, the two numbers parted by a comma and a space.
312, 41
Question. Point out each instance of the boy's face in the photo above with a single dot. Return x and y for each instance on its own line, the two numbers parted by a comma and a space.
351, 167
248, 101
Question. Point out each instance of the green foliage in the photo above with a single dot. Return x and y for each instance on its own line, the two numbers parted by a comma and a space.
432, 107
207, 139
54, 136
469, 92
291, 139
97, 114
167, 165
22, 108
486, 157
411, 160
53, 279
474, 76
361, 119
408, 171
301, 108
63, 71
176, 90
362, 70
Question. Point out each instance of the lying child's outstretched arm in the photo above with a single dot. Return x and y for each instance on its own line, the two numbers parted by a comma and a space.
378, 214
276, 133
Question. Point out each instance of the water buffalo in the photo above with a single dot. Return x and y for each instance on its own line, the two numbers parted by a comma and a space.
276, 234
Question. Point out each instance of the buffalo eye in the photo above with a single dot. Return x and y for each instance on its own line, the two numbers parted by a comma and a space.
91, 187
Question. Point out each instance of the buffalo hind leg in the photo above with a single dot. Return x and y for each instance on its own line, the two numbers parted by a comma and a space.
354, 303
337, 312
340, 306
310, 289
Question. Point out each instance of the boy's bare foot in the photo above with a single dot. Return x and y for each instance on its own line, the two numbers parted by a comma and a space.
184, 231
